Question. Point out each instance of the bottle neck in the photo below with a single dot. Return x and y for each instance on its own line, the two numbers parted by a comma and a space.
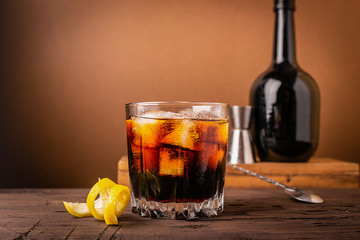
284, 40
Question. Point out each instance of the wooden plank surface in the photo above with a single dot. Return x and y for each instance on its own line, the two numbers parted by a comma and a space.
317, 173
248, 214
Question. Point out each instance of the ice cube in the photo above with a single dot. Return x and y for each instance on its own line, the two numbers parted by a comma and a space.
223, 132
158, 114
212, 132
198, 112
149, 157
203, 114
210, 156
208, 131
170, 165
146, 132
183, 135
174, 161
189, 113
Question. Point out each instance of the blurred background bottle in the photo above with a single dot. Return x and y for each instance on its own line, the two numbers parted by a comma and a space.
286, 99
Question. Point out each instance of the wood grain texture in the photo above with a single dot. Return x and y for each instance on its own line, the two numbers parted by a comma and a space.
317, 173
248, 214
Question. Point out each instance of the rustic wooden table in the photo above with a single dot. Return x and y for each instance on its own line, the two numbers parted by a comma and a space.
248, 214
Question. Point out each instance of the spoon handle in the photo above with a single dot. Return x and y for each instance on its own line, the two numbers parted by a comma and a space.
269, 180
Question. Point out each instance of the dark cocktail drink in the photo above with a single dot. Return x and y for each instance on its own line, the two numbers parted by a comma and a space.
177, 162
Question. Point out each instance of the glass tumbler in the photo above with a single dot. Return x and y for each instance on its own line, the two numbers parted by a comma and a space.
177, 158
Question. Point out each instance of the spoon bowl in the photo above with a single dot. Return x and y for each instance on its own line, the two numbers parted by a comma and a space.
303, 195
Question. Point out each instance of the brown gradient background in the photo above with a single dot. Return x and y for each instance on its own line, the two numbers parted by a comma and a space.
68, 67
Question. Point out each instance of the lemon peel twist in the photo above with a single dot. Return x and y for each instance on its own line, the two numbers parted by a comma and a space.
102, 187
113, 200
118, 200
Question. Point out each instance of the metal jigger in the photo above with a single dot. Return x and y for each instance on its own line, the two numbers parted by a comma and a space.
241, 148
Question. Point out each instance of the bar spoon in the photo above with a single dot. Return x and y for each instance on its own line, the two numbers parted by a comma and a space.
297, 193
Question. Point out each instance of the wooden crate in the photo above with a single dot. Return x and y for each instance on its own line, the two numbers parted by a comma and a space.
317, 173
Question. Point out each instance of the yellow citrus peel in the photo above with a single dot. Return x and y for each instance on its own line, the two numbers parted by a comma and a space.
77, 209
102, 187
118, 200
112, 201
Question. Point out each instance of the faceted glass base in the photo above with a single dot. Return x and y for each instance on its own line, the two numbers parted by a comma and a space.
178, 210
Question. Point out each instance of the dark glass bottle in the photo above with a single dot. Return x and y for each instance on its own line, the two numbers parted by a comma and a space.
286, 99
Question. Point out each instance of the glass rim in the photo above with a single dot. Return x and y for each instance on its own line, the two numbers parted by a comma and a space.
159, 103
